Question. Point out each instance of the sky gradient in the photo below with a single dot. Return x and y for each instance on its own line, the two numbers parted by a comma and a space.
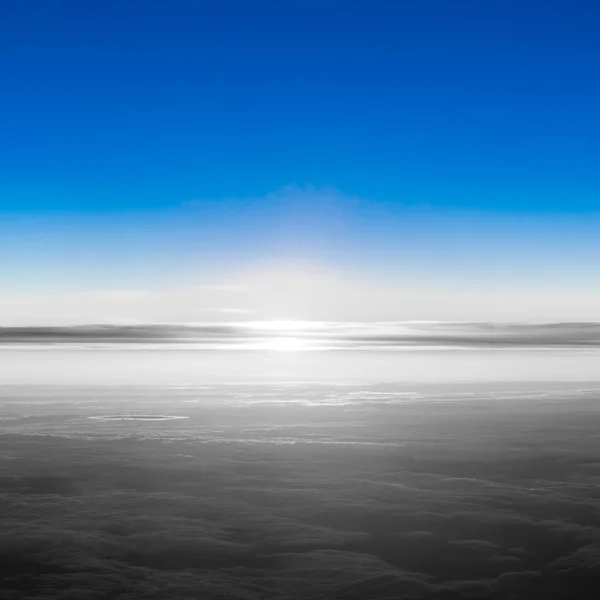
299, 159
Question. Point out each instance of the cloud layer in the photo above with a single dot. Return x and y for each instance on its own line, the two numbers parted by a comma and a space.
319, 335
474, 500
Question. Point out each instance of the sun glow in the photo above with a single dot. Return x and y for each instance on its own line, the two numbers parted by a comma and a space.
286, 344
282, 325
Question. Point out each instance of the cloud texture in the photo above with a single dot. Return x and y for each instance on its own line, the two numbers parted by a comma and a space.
456, 500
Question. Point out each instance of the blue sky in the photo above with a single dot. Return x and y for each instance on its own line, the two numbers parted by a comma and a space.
154, 143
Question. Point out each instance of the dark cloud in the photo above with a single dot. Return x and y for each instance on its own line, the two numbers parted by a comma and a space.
114, 334
132, 520
485, 334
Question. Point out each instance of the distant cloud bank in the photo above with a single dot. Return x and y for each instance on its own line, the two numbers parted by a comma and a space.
314, 335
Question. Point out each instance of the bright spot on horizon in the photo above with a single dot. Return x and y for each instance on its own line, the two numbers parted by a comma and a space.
286, 344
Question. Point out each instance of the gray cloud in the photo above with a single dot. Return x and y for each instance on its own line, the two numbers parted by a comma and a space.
489, 501
137, 522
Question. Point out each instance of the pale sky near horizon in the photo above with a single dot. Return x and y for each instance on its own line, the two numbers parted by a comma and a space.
283, 293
